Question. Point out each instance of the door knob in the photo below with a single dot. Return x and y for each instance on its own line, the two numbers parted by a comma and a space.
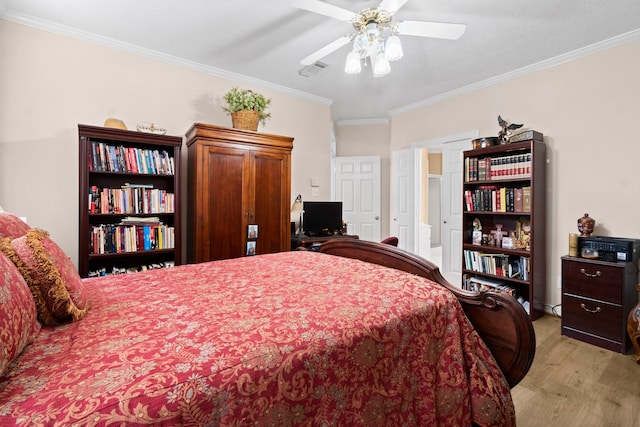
377, 217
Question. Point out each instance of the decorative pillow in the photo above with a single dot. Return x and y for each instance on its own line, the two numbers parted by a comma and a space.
55, 284
12, 226
18, 324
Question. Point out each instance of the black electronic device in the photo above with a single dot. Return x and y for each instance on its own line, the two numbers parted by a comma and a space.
322, 218
611, 249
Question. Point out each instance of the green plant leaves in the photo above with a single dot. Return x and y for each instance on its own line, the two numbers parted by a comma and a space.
245, 99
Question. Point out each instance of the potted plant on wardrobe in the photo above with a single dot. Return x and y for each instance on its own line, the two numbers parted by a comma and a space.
246, 108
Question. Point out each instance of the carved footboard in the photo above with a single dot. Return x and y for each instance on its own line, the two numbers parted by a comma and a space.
633, 327
498, 318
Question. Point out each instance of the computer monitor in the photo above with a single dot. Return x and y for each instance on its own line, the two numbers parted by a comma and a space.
322, 218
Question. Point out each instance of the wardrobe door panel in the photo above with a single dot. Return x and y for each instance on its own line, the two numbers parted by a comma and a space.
271, 200
227, 207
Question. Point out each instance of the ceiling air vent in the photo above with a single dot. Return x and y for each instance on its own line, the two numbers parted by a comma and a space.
313, 69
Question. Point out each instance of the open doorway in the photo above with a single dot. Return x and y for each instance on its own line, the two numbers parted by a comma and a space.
434, 208
443, 157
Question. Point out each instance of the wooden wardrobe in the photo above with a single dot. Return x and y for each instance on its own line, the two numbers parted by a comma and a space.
237, 178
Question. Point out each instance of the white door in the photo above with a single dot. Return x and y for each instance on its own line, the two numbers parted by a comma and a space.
452, 175
403, 198
357, 185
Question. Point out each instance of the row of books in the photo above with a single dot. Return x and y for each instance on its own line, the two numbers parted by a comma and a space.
515, 267
497, 168
98, 272
130, 199
481, 284
117, 238
490, 198
118, 158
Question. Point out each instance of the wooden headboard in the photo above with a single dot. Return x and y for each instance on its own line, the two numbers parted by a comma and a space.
498, 318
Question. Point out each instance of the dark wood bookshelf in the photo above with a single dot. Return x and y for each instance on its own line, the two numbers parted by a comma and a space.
161, 176
522, 165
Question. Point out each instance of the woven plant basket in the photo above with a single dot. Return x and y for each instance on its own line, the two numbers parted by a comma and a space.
245, 119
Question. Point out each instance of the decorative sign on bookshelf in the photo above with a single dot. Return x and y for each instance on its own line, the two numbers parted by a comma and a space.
525, 136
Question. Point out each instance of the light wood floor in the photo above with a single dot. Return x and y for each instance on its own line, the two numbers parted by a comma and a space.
572, 383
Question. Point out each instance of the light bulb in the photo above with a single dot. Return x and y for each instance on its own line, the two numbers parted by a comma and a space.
393, 49
352, 65
381, 66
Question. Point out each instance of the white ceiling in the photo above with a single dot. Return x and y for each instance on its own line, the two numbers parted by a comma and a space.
261, 42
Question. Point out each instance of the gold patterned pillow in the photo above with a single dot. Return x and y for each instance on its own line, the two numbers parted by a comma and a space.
54, 282
12, 226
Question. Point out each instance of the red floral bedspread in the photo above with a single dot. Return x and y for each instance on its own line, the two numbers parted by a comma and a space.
296, 338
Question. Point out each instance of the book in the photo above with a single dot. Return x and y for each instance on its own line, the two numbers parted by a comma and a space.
130, 185
141, 220
147, 237
526, 199
517, 200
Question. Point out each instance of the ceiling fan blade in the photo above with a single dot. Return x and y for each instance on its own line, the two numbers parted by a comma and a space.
391, 6
322, 52
325, 9
439, 30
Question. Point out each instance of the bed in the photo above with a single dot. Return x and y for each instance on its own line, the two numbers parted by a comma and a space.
359, 333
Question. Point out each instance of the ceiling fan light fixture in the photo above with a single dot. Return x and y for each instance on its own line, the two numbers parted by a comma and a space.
381, 66
375, 40
393, 48
361, 44
352, 65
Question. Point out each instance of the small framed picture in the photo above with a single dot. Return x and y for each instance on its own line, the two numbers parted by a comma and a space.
252, 232
251, 248
507, 242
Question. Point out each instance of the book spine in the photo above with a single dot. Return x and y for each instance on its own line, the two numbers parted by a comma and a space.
147, 237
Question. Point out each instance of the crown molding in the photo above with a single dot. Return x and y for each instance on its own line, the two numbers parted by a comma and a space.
75, 33
625, 38
362, 122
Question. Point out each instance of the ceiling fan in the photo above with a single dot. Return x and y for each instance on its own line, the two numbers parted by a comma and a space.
376, 37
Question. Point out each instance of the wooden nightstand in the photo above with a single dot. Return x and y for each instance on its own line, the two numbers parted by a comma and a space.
597, 297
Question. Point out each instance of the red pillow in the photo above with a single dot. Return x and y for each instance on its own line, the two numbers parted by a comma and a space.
55, 284
18, 324
12, 226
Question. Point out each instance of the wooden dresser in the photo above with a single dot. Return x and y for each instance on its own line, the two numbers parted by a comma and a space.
597, 297
237, 178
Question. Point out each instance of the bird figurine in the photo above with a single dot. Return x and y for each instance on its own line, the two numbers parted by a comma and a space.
505, 131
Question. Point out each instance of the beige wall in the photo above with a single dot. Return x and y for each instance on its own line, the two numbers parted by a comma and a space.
51, 83
369, 140
588, 110
435, 163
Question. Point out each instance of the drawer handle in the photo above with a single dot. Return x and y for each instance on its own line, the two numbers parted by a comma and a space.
597, 310
589, 274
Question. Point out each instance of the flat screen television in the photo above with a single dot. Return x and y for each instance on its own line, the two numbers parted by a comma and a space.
322, 218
